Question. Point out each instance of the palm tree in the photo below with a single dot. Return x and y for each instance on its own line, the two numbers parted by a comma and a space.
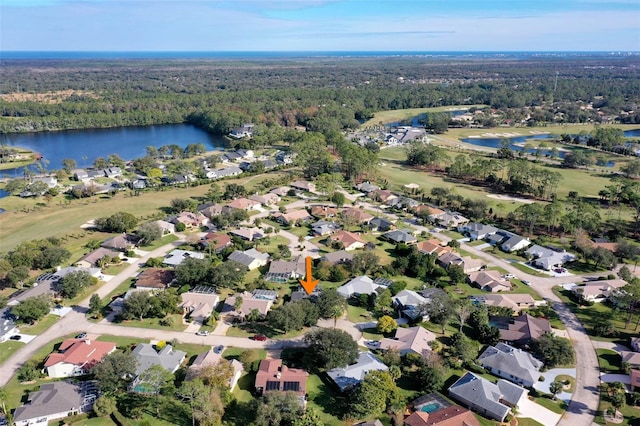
555, 388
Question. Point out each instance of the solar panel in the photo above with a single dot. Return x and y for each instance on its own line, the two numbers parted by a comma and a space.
273, 385
291, 386
383, 281
203, 289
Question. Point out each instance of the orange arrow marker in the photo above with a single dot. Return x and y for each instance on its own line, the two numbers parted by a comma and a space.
309, 283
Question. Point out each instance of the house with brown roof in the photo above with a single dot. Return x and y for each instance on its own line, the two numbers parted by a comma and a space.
123, 242
248, 234
75, 357
217, 240
199, 305
90, 260
244, 204
155, 279
323, 211
423, 209
383, 195
513, 301
304, 185
467, 263
356, 215
280, 191
604, 243
489, 281
524, 328
249, 303
210, 210
433, 246
349, 240
191, 220
292, 217
269, 199
453, 415
211, 358
410, 340
632, 358
340, 256
598, 291
272, 376
635, 380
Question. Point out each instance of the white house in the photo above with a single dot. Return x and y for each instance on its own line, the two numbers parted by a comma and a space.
358, 285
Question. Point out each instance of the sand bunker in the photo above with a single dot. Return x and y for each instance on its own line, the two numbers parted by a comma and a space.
509, 198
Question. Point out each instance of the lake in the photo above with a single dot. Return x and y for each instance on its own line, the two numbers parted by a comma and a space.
84, 146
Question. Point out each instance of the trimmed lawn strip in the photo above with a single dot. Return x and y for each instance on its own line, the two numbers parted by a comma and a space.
358, 314
154, 323
547, 402
8, 348
324, 399
169, 238
631, 414
40, 326
248, 330
609, 361
405, 114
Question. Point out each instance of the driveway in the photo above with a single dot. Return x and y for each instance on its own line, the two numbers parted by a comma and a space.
532, 410
550, 377
611, 378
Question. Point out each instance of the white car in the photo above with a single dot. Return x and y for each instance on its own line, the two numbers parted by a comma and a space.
373, 343
202, 333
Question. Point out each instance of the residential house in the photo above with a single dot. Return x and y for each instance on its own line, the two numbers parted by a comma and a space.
631, 358
354, 215
410, 340
244, 131
155, 279
8, 325
349, 240
381, 224
322, 228
273, 376
304, 185
477, 231
282, 271
492, 400
547, 258
489, 281
210, 210
244, 204
248, 234
384, 196
514, 301
177, 256
281, 191
230, 156
515, 243
54, 401
635, 344
76, 357
604, 243
408, 303
598, 291
269, 163
431, 212
634, 381
524, 328
112, 172
348, 377
323, 211
301, 293
433, 246
268, 199
199, 303
404, 203
292, 217
191, 220
147, 355
357, 286
340, 256
224, 172
245, 153
400, 236
211, 358
285, 157
366, 187
92, 259
469, 264
264, 294
140, 183
249, 303
449, 220
453, 415
251, 258
512, 364
123, 242
79, 174
167, 227
218, 241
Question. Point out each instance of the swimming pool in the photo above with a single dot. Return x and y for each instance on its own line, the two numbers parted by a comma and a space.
430, 408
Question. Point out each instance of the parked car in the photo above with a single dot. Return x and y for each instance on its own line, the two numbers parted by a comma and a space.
81, 335
15, 337
202, 333
373, 343
260, 337
525, 282
218, 349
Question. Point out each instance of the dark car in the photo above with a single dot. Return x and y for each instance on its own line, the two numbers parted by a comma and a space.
81, 335
260, 337
15, 337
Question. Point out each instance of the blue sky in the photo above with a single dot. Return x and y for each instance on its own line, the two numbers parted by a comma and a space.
319, 25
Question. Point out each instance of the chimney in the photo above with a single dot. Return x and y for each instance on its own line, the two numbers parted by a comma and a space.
279, 375
87, 341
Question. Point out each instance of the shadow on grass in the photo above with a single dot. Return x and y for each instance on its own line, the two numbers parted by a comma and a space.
328, 398
611, 362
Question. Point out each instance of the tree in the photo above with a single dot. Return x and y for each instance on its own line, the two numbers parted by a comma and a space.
182, 204
148, 233
430, 378
555, 388
73, 283
439, 309
330, 348
331, 304
138, 305
463, 348
69, 164
386, 324
29, 371
118, 222
16, 276
462, 309
553, 350
154, 379
32, 309
377, 393
311, 417
104, 406
114, 372
384, 301
254, 315
95, 304
363, 263
277, 409
293, 316
338, 198
204, 401
51, 257
193, 271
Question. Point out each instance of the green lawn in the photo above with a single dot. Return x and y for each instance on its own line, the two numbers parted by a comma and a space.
159, 243
40, 326
609, 361
248, 330
556, 406
405, 114
121, 289
154, 323
631, 414
8, 348
115, 269
525, 421
358, 314
324, 399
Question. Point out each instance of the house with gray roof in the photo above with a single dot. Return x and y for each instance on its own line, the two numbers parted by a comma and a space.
366, 187
357, 286
322, 228
284, 270
177, 256
547, 258
224, 172
381, 224
348, 377
55, 401
477, 231
512, 364
408, 303
167, 357
400, 236
515, 243
491, 400
8, 325
251, 258
340, 256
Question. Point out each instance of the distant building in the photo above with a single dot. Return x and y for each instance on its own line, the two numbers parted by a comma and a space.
348, 377
244, 131
76, 357
272, 376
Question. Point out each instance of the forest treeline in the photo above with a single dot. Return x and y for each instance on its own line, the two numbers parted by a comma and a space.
322, 95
